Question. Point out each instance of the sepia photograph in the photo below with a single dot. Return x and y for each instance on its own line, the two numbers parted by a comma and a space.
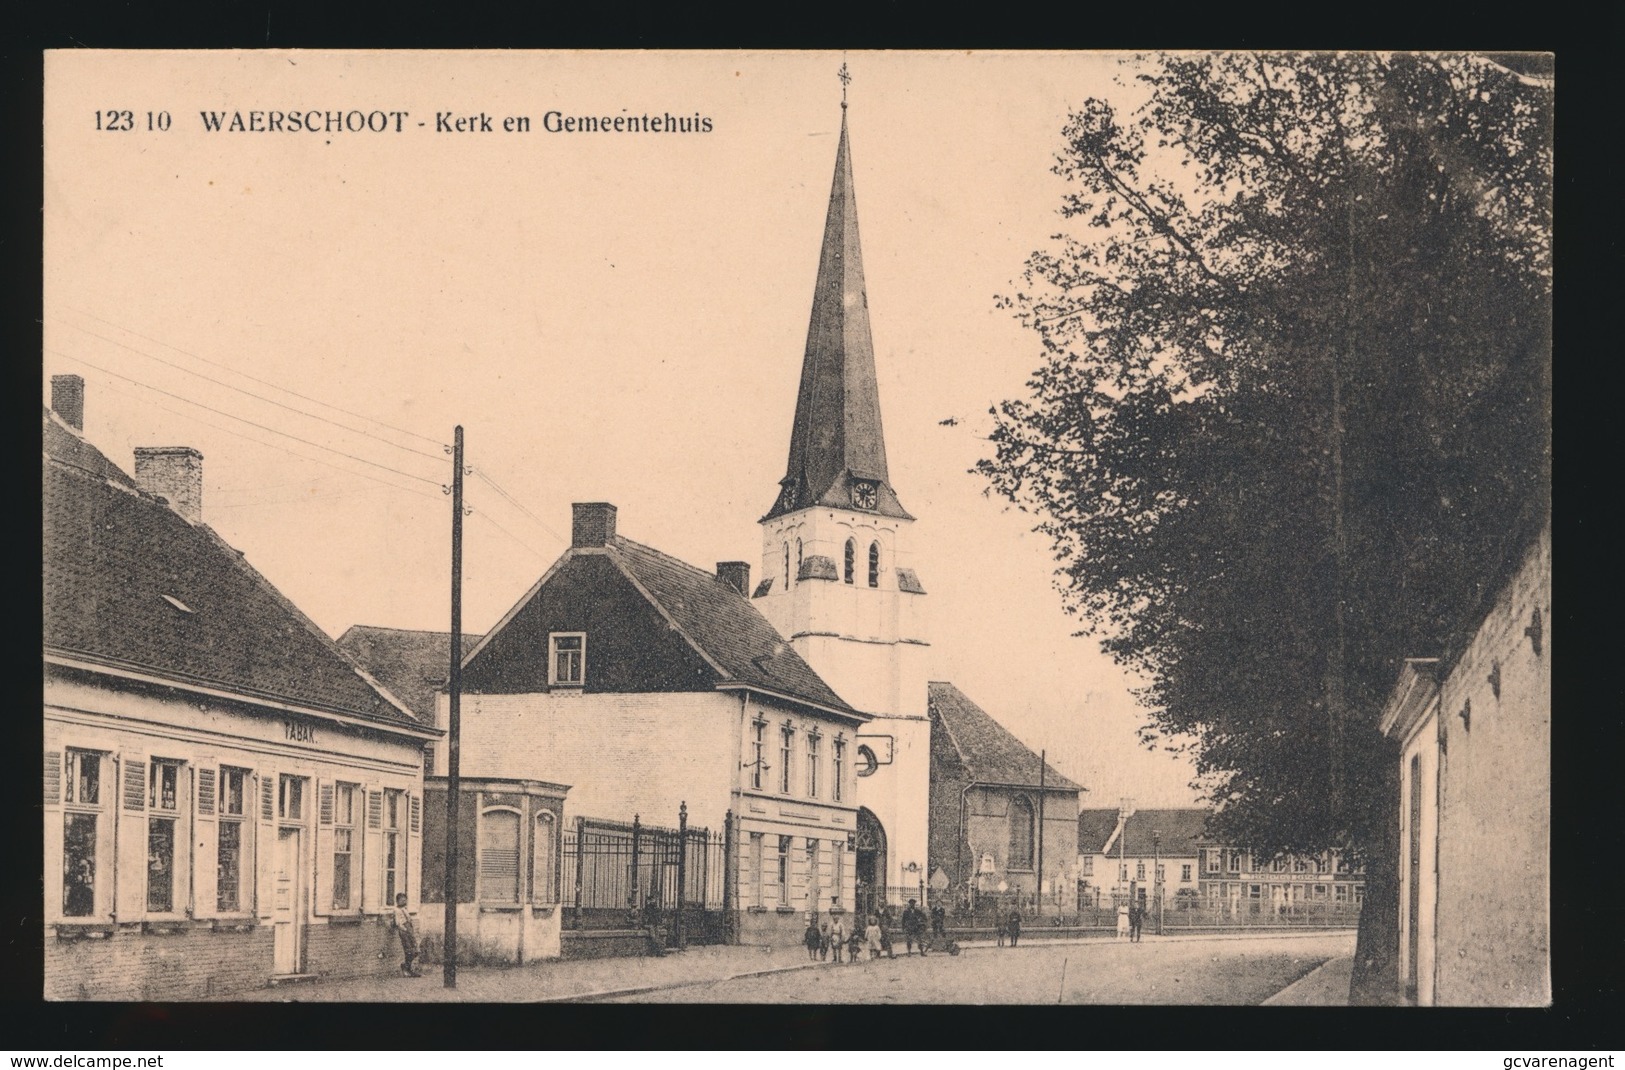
511, 536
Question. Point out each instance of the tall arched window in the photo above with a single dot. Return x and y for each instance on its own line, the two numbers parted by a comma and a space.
786, 565
1021, 833
851, 559
499, 856
541, 874
874, 564
799, 559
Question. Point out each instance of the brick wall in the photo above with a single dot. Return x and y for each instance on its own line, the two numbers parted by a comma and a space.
1493, 942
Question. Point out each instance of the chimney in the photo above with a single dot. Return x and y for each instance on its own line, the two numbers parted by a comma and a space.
735, 574
175, 473
591, 523
68, 399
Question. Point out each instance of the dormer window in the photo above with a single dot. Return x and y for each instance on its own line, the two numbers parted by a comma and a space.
566, 659
865, 494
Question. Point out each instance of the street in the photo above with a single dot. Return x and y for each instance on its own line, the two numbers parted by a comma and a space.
1237, 970
1179, 971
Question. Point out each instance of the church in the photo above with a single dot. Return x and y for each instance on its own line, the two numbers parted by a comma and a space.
790, 720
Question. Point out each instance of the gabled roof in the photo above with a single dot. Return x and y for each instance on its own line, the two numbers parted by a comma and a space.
985, 748
837, 437
722, 625
1095, 828
413, 665
129, 584
1177, 832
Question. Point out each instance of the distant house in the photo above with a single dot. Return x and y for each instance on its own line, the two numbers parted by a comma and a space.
413, 665
999, 827
1239, 881
647, 684
227, 797
1474, 727
1119, 855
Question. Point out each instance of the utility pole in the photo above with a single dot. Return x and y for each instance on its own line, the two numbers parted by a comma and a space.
1040, 888
454, 781
1156, 875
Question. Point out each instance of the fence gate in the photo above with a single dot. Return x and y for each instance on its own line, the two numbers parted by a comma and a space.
619, 875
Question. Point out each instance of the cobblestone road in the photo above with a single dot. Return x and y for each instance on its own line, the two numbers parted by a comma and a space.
1180, 971
1183, 969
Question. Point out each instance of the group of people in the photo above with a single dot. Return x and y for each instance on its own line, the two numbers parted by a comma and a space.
1131, 921
1007, 927
826, 939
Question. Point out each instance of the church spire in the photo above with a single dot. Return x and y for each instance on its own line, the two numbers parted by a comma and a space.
837, 448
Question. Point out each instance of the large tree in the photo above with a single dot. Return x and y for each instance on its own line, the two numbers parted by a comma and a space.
1294, 395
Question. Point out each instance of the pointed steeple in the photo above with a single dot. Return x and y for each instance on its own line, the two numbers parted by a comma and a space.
837, 447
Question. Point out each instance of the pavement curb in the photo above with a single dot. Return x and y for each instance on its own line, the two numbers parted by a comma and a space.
1308, 981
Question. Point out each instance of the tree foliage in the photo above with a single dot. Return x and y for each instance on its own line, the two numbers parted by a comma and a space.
1294, 393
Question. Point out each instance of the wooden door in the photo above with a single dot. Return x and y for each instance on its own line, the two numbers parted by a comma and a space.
287, 895
1413, 849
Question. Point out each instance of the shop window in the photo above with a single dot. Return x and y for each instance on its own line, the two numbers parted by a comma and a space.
394, 860
499, 856
163, 804
343, 844
1021, 833
567, 659
82, 797
229, 850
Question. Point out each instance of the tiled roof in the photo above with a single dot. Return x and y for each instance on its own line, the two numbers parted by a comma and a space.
722, 624
128, 582
1177, 831
985, 748
1095, 827
413, 665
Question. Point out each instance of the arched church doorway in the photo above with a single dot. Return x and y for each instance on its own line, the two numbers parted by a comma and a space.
871, 863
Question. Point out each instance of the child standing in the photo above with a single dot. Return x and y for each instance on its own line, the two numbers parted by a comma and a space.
407, 929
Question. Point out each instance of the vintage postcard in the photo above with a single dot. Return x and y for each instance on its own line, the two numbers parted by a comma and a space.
759, 527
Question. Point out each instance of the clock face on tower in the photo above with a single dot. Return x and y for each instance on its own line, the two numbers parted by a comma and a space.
865, 493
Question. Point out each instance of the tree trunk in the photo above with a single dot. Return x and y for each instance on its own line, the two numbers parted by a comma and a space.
1375, 982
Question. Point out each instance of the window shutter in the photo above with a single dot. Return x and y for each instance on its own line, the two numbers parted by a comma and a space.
205, 842
372, 853
53, 777
131, 859
323, 904
412, 865
53, 838
265, 845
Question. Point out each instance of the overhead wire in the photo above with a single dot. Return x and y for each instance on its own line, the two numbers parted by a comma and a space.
274, 446
257, 397
515, 502
263, 382
493, 522
244, 419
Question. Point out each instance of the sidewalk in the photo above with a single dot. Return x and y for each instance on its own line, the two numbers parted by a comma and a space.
548, 981
1327, 985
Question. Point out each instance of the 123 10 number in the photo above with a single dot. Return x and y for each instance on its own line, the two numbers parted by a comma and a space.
121, 121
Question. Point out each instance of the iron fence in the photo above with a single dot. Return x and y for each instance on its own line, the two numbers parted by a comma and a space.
628, 875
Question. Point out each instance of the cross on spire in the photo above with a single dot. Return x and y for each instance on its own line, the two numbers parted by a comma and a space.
846, 79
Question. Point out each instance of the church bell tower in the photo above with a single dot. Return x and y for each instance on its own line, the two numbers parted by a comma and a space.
838, 577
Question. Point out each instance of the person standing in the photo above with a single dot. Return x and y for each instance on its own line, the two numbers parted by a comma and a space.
1136, 917
810, 938
912, 929
1015, 927
407, 930
1001, 926
823, 941
1122, 921
837, 938
872, 936
939, 920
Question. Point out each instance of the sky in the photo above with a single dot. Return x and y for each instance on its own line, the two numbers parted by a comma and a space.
609, 316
